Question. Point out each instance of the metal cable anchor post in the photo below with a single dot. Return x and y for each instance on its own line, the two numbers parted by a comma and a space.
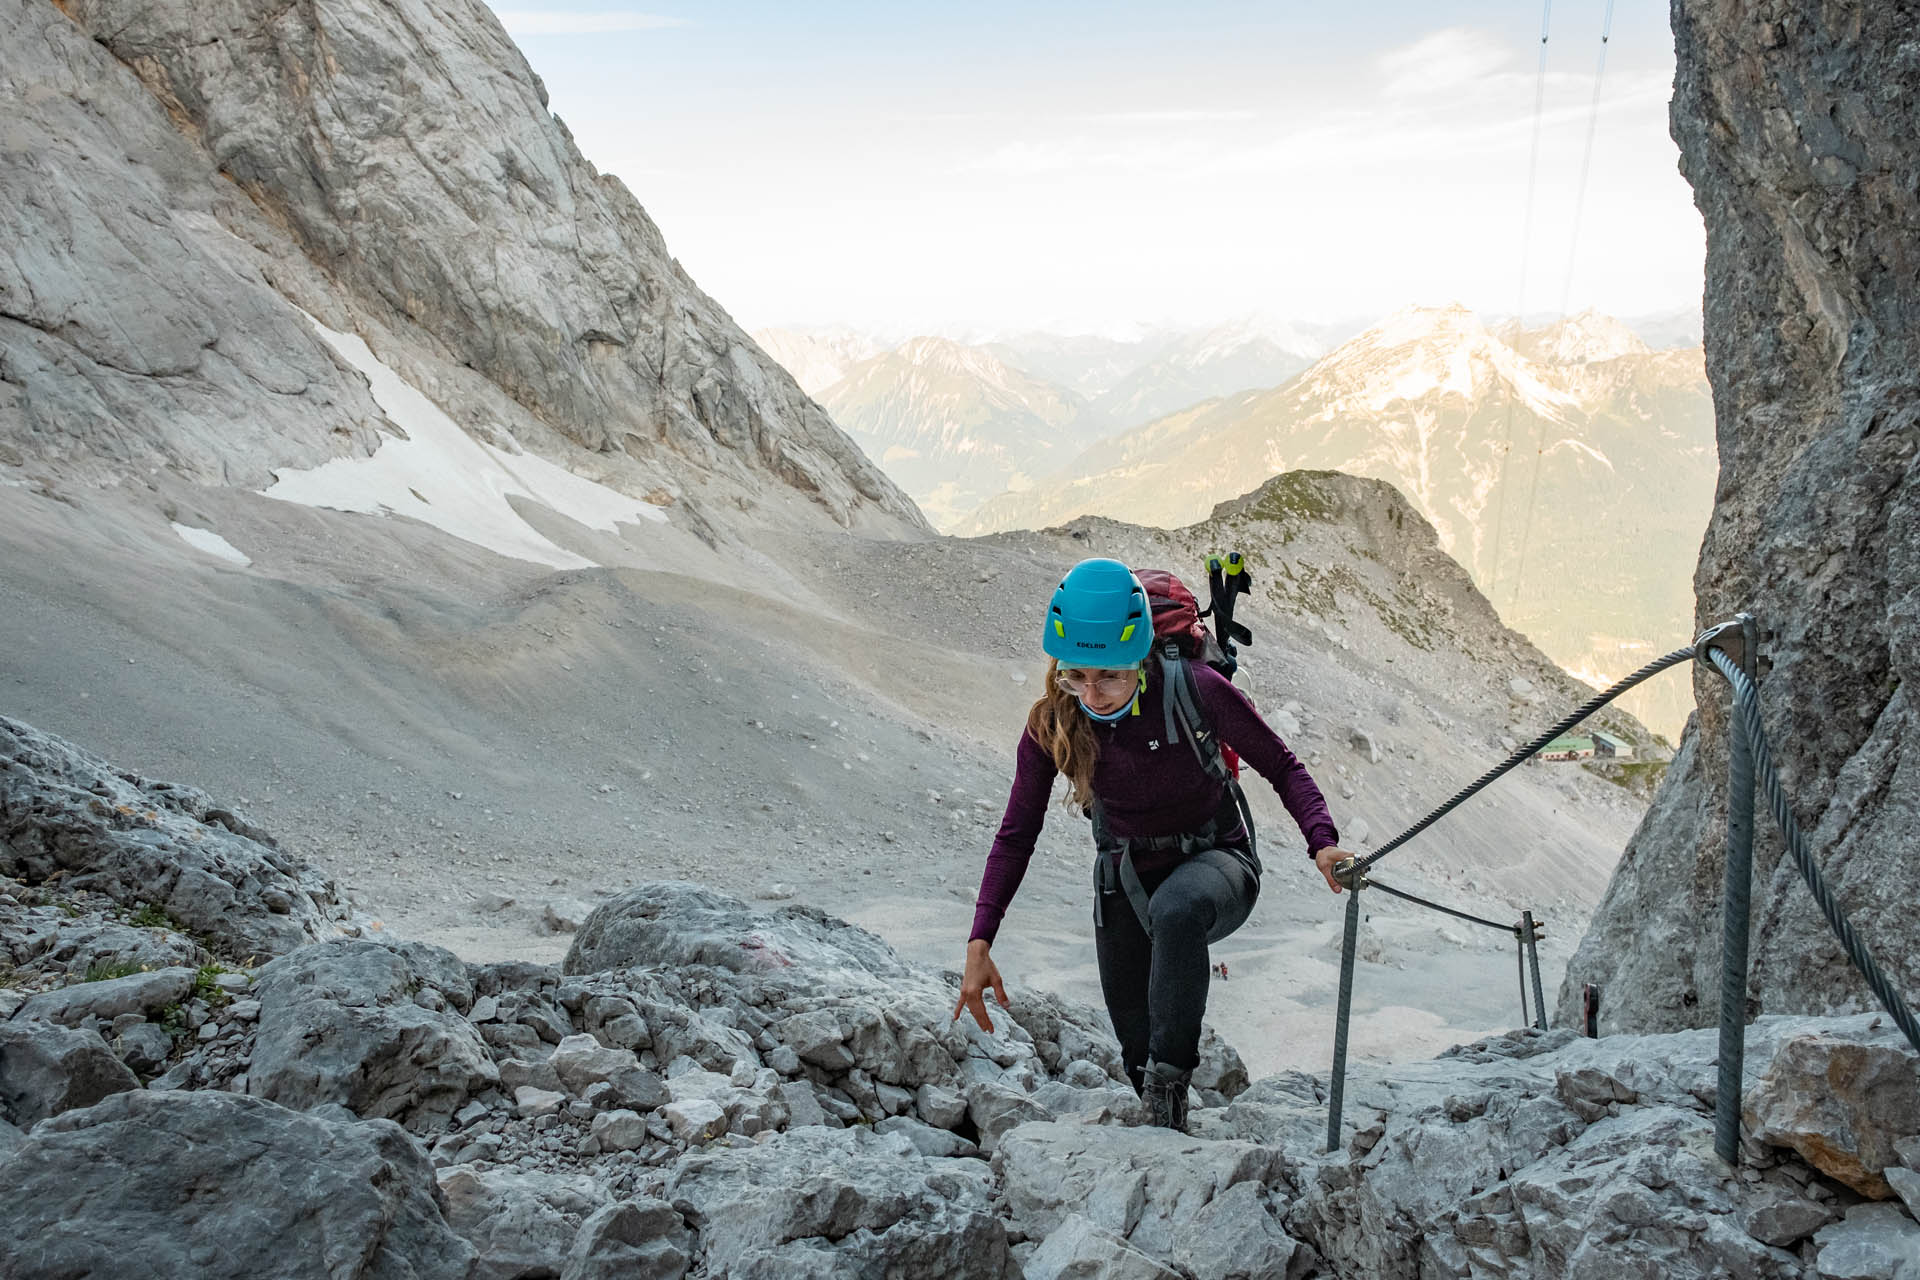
1529, 932
1738, 640
1348, 873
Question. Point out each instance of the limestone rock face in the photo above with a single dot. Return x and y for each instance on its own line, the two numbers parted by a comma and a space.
1553, 1155
1799, 128
135, 328
137, 993
633, 1240
395, 163
216, 1185
699, 1107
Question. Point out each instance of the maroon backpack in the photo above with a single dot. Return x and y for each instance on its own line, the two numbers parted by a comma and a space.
1177, 625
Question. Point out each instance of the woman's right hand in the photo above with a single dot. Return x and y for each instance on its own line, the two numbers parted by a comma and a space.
981, 973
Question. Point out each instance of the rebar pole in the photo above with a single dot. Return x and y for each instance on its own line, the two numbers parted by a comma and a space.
1533, 962
1735, 913
1337, 1086
1520, 960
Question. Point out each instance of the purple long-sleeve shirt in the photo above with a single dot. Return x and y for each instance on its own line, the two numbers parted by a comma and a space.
1149, 787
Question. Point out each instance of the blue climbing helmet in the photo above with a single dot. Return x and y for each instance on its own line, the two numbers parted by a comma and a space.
1099, 617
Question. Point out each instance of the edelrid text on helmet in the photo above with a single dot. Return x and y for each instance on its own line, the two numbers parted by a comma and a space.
1099, 617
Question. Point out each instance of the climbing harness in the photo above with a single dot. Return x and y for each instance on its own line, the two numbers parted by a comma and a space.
1212, 842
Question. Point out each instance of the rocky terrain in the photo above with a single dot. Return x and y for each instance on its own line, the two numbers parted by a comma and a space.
702, 1088
1790, 123
1569, 468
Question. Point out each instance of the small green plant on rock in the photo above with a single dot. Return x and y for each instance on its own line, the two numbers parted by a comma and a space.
206, 988
173, 1020
151, 917
105, 971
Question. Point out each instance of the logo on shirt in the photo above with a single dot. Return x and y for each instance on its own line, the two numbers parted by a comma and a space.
1153, 744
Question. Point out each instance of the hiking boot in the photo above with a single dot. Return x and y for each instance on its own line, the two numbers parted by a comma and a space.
1165, 1094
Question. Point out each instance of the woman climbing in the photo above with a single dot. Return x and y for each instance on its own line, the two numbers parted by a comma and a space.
1174, 870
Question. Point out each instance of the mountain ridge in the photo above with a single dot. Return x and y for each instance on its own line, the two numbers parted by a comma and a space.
394, 172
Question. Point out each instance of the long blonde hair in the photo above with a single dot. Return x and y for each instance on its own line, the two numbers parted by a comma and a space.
1065, 733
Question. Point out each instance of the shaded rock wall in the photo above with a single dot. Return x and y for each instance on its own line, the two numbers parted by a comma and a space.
1799, 127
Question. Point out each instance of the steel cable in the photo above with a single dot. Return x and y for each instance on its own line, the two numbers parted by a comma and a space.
1748, 698
1398, 893
1584, 710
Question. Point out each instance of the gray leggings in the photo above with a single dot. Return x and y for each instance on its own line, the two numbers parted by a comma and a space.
1156, 987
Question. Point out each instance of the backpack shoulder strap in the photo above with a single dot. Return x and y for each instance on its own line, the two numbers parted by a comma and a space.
1181, 695
1183, 700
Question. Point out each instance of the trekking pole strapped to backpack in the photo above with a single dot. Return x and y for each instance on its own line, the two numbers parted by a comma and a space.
1226, 578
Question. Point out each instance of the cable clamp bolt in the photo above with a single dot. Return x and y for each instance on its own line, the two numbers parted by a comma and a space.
1729, 637
1343, 871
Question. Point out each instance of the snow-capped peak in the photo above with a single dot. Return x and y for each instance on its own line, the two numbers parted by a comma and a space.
1582, 339
1235, 335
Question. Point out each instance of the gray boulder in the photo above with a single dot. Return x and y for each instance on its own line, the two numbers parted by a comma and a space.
342, 1022
1840, 1104
521, 1224
840, 1202
1552, 1155
65, 811
88, 943
144, 1047
676, 923
632, 1240
1177, 1199
45, 1070
141, 993
208, 1185
1146, 1185
1641, 1194
997, 1109
1079, 1250
1875, 1242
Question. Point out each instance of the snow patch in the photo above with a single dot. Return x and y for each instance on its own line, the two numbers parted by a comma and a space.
1587, 449
444, 477
212, 543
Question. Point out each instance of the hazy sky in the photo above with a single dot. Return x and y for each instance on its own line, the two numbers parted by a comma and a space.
1086, 166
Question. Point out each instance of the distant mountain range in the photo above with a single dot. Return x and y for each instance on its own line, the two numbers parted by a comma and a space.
1569, 468
957, 423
